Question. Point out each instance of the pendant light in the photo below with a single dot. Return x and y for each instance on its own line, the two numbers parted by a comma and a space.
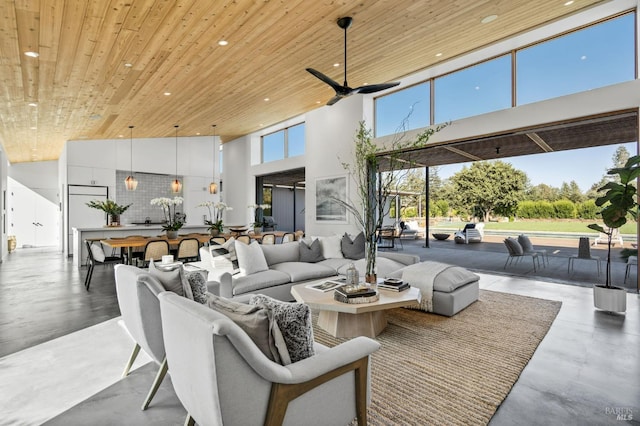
176, 185
130, 182
213, 186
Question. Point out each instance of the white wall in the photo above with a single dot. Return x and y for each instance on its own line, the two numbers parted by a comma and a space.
40, 176
239, 185
4, 164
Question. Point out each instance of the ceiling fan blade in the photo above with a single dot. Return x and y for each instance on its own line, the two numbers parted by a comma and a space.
337, 87
372, 88
337, 97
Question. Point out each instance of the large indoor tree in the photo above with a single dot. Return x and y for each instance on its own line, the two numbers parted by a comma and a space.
488, 187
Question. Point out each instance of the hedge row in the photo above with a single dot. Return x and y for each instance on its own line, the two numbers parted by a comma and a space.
561, 209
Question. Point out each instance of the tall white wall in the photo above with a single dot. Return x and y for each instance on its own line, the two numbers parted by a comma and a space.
40, 176
238, 183
3, 207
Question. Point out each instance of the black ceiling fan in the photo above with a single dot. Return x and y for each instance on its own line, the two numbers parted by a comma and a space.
342, 91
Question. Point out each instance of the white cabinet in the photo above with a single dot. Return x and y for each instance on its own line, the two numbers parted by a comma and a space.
80, 175
33, 219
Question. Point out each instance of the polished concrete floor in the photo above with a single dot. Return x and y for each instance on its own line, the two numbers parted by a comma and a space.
63, 351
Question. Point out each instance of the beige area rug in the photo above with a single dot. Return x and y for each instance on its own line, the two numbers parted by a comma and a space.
454, 371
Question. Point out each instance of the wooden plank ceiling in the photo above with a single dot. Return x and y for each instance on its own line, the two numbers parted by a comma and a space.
105, 64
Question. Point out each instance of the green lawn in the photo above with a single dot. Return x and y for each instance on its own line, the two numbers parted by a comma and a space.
541, 226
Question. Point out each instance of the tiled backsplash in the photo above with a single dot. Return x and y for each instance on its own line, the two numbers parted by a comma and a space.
150, 186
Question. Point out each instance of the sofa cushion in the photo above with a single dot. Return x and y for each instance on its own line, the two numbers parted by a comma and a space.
256, 282
224, 255
335, 264
448, 280
251, 258
258, 322
172, 280
353, 249
310, 253
278, 253
294, 320
331, 247
384, 267
300, 271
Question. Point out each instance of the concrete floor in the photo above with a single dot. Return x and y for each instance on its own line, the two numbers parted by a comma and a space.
584, 372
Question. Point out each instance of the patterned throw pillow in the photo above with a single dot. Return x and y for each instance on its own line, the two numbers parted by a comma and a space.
310, 253
198, 286
294, 321
353, 249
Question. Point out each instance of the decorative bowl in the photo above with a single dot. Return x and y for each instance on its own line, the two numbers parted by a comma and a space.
441, 237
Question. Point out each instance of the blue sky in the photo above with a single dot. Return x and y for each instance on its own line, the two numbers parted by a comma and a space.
585, 166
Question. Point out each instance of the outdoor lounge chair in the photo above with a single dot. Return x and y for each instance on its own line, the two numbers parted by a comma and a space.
604, 238
472, 233
517, 252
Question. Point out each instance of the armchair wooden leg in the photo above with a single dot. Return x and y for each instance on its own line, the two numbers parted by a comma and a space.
282, 394
156, 383
189, 421
132, 358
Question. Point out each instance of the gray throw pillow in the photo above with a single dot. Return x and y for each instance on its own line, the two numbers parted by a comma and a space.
172, 279
294, 321
258, 322
198, 286
353, 249
310, 253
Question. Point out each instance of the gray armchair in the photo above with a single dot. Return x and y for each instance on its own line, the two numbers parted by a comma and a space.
221, 377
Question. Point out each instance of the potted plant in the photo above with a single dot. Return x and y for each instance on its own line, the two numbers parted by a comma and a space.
111, 208
172, 224
259, 221
373, 193
618, 202
214, 222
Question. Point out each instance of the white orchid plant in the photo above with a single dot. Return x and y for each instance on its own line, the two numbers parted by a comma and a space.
168, 206
215, 214
255, 207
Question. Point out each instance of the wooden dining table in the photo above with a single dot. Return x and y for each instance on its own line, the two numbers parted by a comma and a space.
137, 242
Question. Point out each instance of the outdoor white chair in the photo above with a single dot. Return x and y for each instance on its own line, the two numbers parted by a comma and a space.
615, 238
584, 252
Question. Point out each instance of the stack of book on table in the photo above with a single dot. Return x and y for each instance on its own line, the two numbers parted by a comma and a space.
394, 285
355, 294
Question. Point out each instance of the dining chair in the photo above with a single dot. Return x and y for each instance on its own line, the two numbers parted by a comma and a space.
268, 239
218, 240
299, 234
288, 237
97, 257
244, 239
584, 252
155, 250
188, 249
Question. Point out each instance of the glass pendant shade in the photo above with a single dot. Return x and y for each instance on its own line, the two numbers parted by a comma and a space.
130, 183
213, 188
176, 185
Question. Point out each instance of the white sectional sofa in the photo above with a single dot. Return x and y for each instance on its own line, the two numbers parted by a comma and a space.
286, 270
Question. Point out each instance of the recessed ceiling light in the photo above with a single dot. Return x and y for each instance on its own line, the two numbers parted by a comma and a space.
33, 104
488, 19
223, 42
32, 54
34, 128
128, 65
317, 102
569, 3
167, 93
438, 55
261, 124
120, 136
336, 64
266, 99
197, 133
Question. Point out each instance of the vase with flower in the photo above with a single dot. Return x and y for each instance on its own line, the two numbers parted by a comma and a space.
216, 210
171, 223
